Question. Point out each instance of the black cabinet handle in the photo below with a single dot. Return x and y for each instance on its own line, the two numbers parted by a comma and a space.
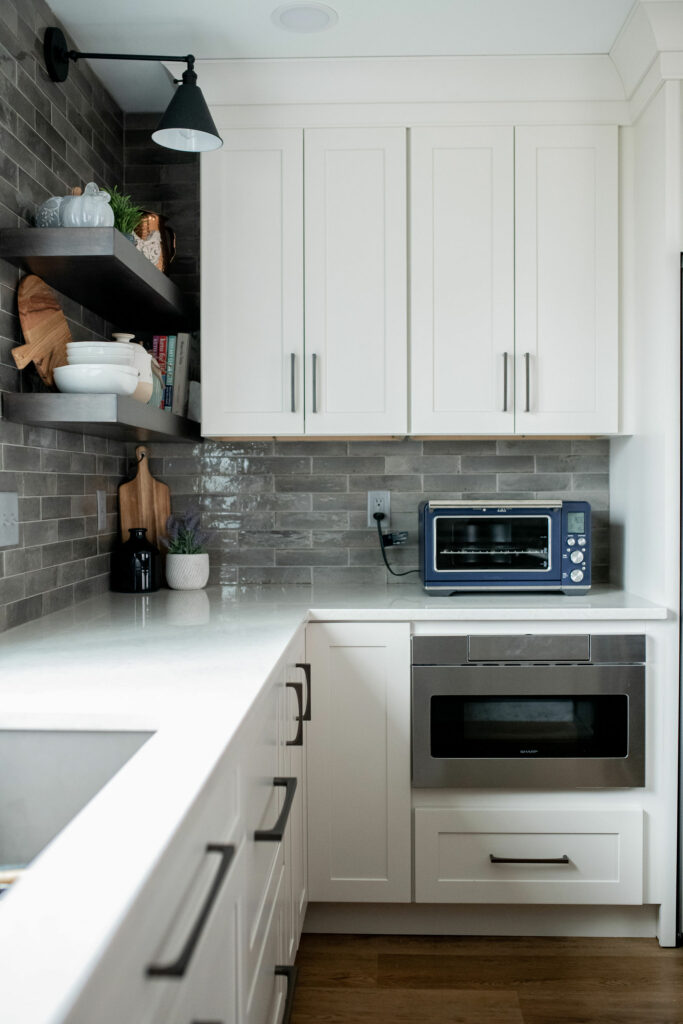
179, 966
276, 833
290, 973
307, 672
564, 859
298, 740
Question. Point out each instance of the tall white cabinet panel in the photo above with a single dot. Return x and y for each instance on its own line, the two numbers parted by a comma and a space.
462, 274
358, 762
355, 281
252, 284
566, 279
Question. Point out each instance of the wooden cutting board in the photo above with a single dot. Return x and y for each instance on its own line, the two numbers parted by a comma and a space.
43, 324
144, 501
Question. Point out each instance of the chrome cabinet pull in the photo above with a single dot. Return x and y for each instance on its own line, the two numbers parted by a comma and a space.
292, 381
179, 966
298, 740
505, 382
564, 859
305, 665
314, 365
527, 361
290, 973
276, 833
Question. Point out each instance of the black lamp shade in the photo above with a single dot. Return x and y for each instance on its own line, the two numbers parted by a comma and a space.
187, 124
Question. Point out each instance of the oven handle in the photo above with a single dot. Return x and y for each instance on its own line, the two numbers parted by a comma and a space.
564, 859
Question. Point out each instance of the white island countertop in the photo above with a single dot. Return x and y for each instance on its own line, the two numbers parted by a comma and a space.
186, 667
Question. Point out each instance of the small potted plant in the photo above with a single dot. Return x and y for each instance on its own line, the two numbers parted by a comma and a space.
127, 215
187, 563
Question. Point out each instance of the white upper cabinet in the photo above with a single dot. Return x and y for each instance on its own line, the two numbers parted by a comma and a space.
252, 284
462, 280
566, 281
350, 376
513, 282
514, 286
355, 281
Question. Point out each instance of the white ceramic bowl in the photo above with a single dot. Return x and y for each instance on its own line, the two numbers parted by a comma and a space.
96, 379
109, 352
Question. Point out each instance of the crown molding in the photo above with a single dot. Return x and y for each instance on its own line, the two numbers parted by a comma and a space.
649, 50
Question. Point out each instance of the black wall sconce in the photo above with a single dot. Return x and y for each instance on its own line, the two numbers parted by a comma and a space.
186, 125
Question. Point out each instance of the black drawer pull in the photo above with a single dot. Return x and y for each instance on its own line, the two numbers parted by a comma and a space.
179, 966
276, 833
290, 973
307, 672
298, 740
564, 859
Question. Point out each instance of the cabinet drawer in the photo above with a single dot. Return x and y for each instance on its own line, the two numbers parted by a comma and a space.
573, 856
263, 952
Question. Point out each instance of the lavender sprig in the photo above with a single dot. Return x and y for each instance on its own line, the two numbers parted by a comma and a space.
184, 536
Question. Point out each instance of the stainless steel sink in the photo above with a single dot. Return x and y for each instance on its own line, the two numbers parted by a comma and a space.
47, 776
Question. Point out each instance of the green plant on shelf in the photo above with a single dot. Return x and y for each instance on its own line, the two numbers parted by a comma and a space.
127, 215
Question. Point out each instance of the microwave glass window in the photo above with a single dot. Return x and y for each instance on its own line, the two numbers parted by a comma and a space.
576, 522
548, 726
492, 543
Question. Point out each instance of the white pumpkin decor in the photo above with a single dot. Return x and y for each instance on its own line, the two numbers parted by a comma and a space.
91, 210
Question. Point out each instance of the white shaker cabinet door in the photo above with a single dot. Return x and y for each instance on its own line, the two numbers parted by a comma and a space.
358, 762
566, 237
355, 281
252, 284
462, 274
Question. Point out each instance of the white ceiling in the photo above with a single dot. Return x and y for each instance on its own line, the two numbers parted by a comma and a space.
243, 29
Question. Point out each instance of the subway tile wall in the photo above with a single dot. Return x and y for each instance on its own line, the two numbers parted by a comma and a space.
53, 137
295, 511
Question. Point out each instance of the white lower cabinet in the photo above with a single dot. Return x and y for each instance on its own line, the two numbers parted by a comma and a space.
215, 929
540, 856
358, 762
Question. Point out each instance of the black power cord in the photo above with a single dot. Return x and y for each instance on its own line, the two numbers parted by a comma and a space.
378, 517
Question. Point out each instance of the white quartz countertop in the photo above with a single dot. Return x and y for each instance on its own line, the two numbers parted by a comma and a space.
138, 661
186, 667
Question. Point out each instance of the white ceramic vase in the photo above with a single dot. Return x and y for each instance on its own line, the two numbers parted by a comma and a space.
187, 572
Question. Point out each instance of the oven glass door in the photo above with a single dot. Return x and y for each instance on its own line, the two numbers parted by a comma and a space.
548, 725
523, 545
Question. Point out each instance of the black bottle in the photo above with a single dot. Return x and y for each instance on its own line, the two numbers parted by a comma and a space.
136, 565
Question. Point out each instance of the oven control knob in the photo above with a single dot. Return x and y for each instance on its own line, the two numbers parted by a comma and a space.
582, 542
571, 541
576, 575
576, 556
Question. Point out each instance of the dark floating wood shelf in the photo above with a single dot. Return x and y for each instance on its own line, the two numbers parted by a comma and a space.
102, 270
101, 415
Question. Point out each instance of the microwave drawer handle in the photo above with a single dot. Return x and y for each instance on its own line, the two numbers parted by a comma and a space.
178, 967
275, 834
564, 859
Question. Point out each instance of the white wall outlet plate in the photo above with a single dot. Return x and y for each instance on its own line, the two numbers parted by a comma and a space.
379, 501
9, 519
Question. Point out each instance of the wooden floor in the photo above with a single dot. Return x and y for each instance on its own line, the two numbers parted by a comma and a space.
354, 979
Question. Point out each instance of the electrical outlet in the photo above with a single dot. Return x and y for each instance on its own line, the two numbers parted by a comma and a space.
379, 501
9, 519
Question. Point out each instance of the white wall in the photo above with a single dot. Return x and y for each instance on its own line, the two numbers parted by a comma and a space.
644, 469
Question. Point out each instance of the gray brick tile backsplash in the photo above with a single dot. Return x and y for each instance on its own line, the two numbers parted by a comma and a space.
315, 522
54, 137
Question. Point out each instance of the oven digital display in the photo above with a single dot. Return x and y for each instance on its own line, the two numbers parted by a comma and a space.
576, 522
